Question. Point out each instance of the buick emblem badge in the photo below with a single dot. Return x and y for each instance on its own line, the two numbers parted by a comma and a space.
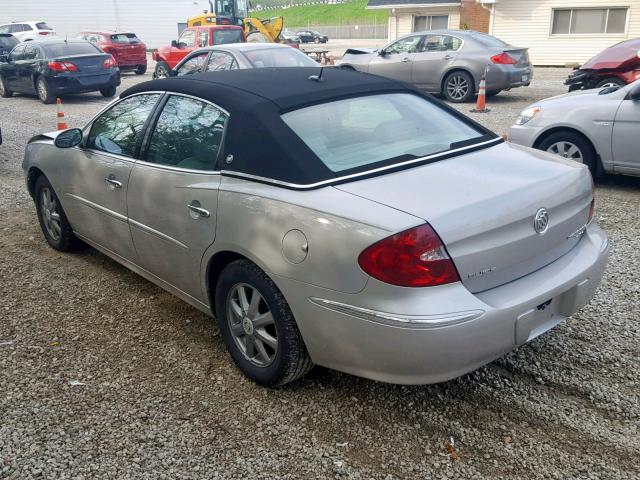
541, 221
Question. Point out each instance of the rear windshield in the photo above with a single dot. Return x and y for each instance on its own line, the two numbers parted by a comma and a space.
489, 41
227, 36
278, 57
363, 131
43, 26
64, 49
8, 41
125, 38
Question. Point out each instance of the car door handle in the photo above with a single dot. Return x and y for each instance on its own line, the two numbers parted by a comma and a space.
197, 211
448, 57
405, 60
112, 182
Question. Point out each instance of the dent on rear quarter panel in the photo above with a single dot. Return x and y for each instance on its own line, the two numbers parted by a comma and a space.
253, 219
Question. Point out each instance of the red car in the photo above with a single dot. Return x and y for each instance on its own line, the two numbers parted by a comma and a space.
127, 49
191, 39
618, 65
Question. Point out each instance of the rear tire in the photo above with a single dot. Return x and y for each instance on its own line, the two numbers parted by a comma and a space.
316, 40
53, 221
44, 94
458, 87
262, 337
141, 70
4, 91
610, 82
574, 146
108, 92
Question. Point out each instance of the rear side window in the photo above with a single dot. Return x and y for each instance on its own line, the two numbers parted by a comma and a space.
43, 26
378, 128
188, 135
221, 61
227, 36
119, 129
204, 38
125, 38
63, 49
8, 42
16, 28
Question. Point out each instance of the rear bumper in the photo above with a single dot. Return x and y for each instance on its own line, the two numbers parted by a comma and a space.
131, 61
581, 79
440, 333
505, 77
79, 84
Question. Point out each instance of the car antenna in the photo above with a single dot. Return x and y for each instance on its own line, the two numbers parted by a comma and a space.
317, 78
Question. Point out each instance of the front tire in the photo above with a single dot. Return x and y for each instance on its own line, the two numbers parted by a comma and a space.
162, 70
4, 90
458, 87
573, 146
44, 93
257, 326
610, 82
53, 221
316, 40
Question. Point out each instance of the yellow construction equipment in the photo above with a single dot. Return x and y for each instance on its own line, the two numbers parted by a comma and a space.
235, 12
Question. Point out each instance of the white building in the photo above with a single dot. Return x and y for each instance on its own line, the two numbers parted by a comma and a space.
557, 32
154, 21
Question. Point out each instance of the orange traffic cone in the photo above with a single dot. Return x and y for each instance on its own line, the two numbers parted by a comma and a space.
62, 125
481, 103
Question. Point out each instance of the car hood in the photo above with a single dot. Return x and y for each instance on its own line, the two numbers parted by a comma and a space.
582, 96
483, 204
624, 55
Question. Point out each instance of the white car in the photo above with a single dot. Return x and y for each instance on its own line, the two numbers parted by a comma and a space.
27, 31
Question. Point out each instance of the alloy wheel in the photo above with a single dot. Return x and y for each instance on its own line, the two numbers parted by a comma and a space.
50, 214
2, 89
566, 150
42, 90
252, 325
162, 72
457, 87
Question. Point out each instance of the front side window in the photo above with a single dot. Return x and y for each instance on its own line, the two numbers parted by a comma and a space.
404, 45
589, 20
204, 38
278, 57
227, 36
221, 61
119, 129
17, 53
364, 131
192, 65
187, 39
188, 135
31, 53
5, 29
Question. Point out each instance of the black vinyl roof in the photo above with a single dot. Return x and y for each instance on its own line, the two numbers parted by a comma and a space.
261, 143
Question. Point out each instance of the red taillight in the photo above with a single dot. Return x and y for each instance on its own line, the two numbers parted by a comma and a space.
62, 67
413, 258
107, 49
109, 62
503, 59
43, 33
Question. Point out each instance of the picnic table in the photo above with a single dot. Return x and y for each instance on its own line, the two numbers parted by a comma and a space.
319, 55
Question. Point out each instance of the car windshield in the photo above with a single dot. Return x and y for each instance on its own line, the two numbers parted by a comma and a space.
43, 26
63, 49
278, 57
227, 36
125, 38
361, 131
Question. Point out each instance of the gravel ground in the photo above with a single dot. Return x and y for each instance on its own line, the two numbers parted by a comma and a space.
104, 375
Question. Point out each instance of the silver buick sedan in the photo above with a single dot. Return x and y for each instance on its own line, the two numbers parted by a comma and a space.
327, 217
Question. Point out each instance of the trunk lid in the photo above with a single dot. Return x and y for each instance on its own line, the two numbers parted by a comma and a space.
86, 63
483, 204
520, 55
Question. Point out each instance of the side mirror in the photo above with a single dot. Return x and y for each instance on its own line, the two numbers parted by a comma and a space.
634, 93
174, 44
4, 58
382, 52
68, 138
